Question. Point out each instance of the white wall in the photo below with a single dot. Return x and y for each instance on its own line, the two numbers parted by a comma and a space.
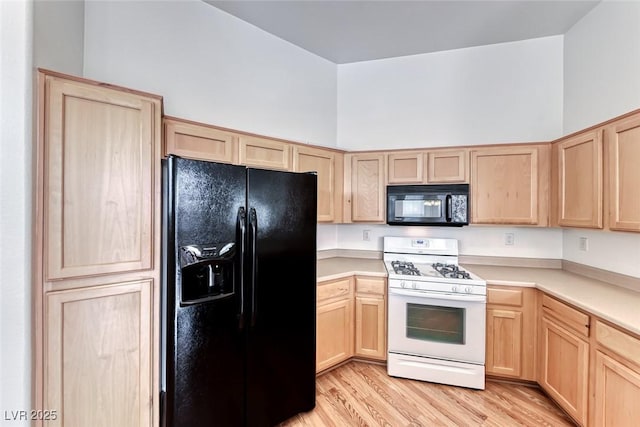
15, 205
327, 236
58, 35
602, 65
614, 251
473, 240
212, 67
602, 80
509, 92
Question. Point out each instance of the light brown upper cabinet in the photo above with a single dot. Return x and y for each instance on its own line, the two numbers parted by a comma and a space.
406, 167
579, 180
96, 266
100, 179
306, 159
428, 167
447, 166
365, 196
264, 153
198, 141
509, 185
623, 140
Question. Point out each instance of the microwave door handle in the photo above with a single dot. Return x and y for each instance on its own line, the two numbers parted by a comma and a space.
448, 208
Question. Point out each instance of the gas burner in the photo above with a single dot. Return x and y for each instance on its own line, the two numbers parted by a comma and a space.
450, 271
406, 268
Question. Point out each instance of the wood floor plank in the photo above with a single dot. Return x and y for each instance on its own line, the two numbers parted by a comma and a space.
362, 394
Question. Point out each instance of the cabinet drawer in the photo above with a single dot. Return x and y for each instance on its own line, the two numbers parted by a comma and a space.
334, 289
513, 297
618, 341
370, 285
571, 317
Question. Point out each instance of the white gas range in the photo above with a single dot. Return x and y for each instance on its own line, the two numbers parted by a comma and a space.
437, 313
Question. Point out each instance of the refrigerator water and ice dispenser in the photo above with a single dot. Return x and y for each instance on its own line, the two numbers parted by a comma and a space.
206, 272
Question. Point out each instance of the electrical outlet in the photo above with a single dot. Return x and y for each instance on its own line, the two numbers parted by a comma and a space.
366, 235
509, 239
584, 244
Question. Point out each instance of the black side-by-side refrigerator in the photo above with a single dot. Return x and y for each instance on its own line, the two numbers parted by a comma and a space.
239, 295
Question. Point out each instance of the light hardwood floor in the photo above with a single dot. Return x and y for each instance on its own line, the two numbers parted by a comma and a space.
362, 394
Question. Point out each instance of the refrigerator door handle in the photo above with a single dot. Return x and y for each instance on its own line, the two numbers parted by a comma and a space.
253, 223
242, 224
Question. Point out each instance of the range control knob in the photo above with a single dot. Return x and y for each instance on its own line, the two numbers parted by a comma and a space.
454, 288
468, 289
403, 284
414, 285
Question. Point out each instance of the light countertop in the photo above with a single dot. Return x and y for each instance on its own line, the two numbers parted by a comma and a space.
613, 303
335, 268
618, 305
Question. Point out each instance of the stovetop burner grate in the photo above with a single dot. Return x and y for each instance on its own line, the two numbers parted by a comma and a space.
406, 268
450, 271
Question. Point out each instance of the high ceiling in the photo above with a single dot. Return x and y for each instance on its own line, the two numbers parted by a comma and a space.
360, 30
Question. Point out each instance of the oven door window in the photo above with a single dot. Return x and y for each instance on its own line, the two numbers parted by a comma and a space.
418, 208
435, 323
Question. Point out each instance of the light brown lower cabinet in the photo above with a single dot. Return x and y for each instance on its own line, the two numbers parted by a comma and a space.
616, 378
616, 393
564, 356
350, 323
511, 332
371, 328
98, 363
564, 369
334, 323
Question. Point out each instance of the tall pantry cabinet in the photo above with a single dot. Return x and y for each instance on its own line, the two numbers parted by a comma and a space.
96, 253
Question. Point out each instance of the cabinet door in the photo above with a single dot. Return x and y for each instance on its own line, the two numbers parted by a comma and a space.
506, 184
447, 166
367, 187
371, 327
334, 332
504, 346
624, 175
264, 153
98, 355
616, 394
406, 167
580, 181
564, 367
323, 162
197, 141
511, 332
371, 317
99, 180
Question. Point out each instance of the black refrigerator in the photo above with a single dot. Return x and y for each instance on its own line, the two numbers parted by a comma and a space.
239, 295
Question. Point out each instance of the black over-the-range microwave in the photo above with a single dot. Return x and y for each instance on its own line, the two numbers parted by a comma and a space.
444, 205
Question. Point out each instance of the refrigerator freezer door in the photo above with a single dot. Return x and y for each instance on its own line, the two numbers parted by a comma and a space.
205, 344
281, 339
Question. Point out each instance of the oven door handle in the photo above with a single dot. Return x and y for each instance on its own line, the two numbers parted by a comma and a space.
448, 297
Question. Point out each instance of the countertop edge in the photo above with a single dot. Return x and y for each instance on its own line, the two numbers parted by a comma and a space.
341, 275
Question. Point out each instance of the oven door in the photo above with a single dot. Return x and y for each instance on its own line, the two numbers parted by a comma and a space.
442, 326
